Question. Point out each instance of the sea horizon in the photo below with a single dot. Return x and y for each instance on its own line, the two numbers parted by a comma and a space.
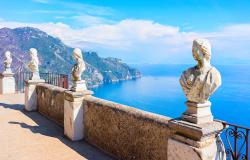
158, 91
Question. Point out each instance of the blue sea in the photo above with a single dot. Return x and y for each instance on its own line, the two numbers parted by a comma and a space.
159, 91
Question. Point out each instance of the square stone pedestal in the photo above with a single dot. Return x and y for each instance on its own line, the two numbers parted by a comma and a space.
73, 114
31, 95
35, 76
79, 86
194, 141
198, 113
7, 83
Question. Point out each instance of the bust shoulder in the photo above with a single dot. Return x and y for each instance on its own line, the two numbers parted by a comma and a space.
214, 70
214, 74
214, 77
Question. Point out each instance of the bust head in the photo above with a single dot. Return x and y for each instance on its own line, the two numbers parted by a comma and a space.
77, 54
34, 62
79, 67
7, 61
33, 52
7, 54
201, 49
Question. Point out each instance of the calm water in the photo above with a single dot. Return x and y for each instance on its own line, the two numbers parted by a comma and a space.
158, 91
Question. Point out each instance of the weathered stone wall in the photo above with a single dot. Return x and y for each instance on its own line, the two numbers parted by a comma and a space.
50, 102
125, 132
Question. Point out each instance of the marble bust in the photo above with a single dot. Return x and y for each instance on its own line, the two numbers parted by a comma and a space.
33, 64
7, 62
79, 67
201, 81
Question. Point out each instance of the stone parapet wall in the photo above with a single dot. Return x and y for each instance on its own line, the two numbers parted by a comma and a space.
125, 132
50, 102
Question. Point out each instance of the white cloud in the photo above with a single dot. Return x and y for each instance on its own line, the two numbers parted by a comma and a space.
75, 8
58, 12
87, 8
147, 41
88, 20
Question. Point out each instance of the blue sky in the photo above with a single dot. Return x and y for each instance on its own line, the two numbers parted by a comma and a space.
142, 31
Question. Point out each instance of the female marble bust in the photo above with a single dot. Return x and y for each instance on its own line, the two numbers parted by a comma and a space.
79, 67
33, 64
201, 81
7, 61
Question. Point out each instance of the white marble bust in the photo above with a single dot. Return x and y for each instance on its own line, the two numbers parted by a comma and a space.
79, 67
7, 62
201, 81
33, 64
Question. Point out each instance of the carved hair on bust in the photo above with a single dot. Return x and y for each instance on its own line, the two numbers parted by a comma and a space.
77, 54
8, 58
33, 52
7, 61
205, 47
79, 67
33, 64
7, 54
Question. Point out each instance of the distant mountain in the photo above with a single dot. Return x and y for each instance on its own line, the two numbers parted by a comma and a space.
55, 56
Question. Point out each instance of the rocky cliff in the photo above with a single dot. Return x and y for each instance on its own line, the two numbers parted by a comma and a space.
55, 56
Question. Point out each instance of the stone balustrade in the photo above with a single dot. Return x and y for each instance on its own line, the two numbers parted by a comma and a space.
123, 131
50, 102
126, 132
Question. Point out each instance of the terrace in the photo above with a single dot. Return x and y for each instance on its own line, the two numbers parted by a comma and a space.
50, 121
28, 135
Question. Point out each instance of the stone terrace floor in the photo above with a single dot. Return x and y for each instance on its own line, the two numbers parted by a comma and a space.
30, 136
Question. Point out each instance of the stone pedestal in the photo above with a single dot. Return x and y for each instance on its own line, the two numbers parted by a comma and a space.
7, 83
79, 86
73, 114
35, 76
194, 141
8, 70
198, 113
31, 95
